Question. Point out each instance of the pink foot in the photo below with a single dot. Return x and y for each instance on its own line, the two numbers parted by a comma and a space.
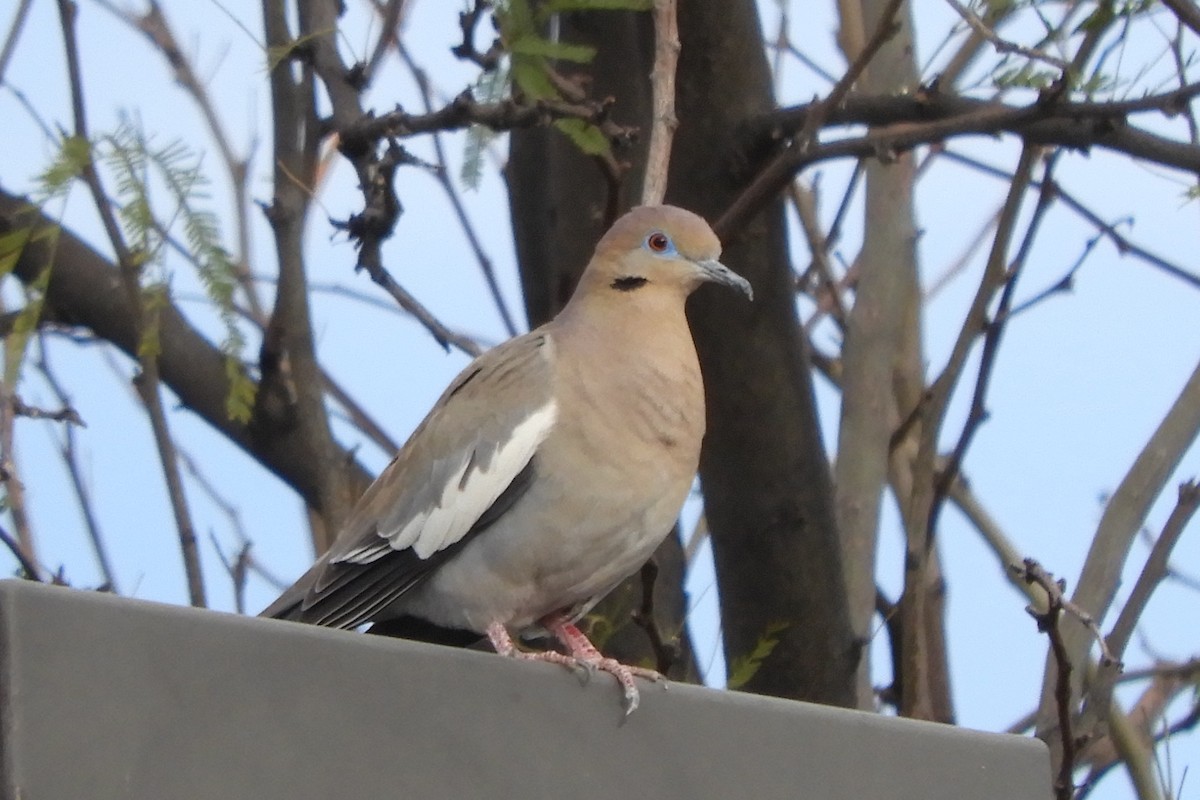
583, 654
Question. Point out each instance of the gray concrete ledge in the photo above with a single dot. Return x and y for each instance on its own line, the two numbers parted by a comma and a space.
102, 697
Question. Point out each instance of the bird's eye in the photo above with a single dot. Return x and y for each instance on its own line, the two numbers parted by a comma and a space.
658, 242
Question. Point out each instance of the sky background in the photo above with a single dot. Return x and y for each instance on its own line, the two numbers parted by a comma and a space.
1082, 380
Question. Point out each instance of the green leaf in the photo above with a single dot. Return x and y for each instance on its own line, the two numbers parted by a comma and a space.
27, 320
239, 403
744, 667
515, 20
587, 137
73, 156
529, 75
532, 45
12, 244
490, 88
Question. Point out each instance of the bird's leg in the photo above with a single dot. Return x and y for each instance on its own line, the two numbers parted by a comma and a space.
584, 653
503, 644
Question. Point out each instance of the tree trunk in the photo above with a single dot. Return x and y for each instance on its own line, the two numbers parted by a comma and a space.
764, 470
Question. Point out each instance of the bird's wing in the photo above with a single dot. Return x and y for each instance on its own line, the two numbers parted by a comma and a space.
465, 465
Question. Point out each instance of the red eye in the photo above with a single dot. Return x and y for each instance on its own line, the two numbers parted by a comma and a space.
658, 242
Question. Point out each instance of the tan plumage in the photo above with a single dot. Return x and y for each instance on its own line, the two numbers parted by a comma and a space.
549, 469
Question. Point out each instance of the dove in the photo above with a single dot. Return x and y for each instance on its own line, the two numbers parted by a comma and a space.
549, 469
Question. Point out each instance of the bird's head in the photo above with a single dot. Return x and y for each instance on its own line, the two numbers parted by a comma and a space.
660, 247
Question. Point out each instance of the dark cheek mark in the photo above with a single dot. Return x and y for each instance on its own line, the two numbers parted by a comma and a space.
628, 283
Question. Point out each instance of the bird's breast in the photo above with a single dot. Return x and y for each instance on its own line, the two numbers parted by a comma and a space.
609, 481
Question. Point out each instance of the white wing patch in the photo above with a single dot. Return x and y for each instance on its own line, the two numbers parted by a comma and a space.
468, 492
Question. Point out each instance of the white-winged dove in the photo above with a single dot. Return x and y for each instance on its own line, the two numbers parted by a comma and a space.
550, 468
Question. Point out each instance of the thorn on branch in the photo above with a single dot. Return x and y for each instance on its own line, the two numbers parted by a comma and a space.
357, 76
468, 21
369, 228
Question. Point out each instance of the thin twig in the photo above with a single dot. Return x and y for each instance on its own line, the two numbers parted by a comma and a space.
1033, 571
28, 568
665, 652
1124, 245
1155, 568
148, 381
662, 88
443, 335
829, 290
391, 19
991, 339
14, 35
1186, 11
70, 458
1046, 122
442, 173
65, 414
1003, 45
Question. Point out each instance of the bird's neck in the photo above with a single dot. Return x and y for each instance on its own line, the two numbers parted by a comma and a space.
636, 342
608, 304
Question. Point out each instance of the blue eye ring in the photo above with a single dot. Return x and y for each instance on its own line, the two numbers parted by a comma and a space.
659, 242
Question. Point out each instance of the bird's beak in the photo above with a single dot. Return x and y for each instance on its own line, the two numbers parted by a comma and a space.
717, 272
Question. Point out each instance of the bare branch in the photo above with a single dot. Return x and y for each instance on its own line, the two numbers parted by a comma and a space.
994, 332
931, 117
28, 568
71, 460
1048, 623
442, 173
1003, 45
1186, 11
469, 20
662, 86
1123, 516
1124, 245
14, 35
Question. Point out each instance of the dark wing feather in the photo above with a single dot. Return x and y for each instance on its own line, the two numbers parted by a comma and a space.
353, 594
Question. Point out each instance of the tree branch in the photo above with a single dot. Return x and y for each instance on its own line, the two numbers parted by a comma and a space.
931, 116
662, 86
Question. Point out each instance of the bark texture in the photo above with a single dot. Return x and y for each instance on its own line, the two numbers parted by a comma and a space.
764, 469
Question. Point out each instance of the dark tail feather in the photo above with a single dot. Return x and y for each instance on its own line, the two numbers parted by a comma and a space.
289, 605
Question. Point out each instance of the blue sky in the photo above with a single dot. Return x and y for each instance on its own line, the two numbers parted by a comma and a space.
1082, 380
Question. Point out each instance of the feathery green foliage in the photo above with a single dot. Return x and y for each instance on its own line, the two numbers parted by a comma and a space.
68, 163
134, 161
491, 87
